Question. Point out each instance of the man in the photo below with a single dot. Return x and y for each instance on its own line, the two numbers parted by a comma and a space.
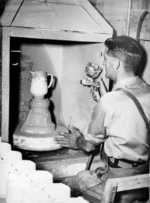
116, 122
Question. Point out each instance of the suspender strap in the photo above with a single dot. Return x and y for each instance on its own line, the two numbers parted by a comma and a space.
137, 103
100, 171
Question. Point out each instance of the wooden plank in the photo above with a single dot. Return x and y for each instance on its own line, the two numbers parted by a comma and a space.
117, 18
118, 14
34, 14
145, 29
132, 182
143, 36
140, 4
122, 184
134, 20
57, 35
98, 18
75, 2
61, 163
72, 2
60, 17
67, 17
109, 191
116, 4
61, 168
5, 84
10, 11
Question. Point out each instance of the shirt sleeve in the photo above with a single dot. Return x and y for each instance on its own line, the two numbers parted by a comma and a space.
95, 133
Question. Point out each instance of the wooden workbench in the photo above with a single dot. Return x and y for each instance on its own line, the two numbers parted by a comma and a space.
61, 163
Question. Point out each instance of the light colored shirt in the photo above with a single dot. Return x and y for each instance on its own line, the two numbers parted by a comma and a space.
126, 129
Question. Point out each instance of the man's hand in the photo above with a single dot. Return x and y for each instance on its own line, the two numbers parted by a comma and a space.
98, 92
95, 94
103, 89
68, 140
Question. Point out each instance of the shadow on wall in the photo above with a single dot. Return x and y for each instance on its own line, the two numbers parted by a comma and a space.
2, 6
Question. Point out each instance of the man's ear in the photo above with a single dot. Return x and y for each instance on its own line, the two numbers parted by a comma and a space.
116, 63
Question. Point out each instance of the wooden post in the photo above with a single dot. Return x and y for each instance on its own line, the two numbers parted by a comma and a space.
5, 84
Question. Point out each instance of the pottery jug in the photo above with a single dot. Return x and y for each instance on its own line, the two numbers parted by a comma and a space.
39, 83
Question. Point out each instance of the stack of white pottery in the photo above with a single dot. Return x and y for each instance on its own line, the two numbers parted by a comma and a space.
73, 200
4, 168
20, 182
56, 191
38, 180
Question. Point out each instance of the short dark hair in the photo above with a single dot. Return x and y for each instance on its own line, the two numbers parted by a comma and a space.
127, 50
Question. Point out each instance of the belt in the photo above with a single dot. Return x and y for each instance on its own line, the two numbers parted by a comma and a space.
123, 163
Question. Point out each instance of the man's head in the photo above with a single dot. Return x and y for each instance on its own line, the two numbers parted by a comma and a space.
124, 50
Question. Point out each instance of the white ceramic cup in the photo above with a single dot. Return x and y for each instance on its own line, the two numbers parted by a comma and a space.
47, 193
21, 168
40, 177
7, 159
4, 174
18, 181
35, 195
38, 180
4, 148
16, 189
12, 156
73, 200
57, 191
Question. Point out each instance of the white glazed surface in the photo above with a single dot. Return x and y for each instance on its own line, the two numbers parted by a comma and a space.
4, 147
4, 174
12, 156
21, 168
35, 144
40, 177
57, 191
39, 86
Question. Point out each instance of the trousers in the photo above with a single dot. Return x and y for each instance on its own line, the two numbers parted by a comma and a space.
87, 184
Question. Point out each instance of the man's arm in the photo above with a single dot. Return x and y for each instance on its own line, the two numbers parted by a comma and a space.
75, 140
85, 145
92, 138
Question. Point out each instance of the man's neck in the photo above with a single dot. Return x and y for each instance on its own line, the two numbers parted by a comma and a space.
125, 81
123, 76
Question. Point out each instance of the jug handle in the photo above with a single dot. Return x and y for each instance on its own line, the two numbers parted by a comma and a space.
51, 80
